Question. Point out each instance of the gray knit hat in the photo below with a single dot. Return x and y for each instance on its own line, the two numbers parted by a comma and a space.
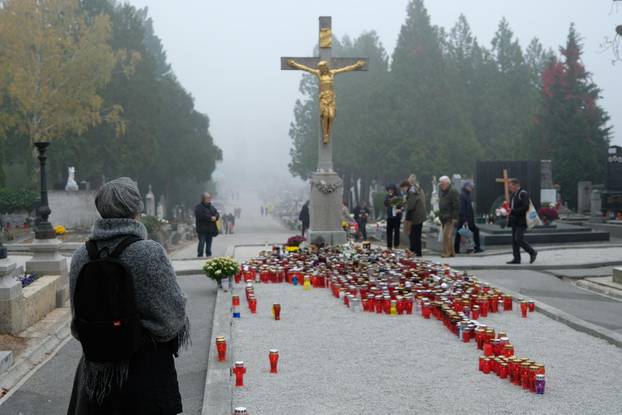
119, 198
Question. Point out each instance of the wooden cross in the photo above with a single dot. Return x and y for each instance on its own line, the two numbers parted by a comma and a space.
506, 184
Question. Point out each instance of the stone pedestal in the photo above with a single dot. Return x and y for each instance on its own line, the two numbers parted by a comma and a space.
584, 194
596, 206
325, 208
10, 292
47, 260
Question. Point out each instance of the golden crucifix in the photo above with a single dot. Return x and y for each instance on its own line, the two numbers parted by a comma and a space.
321, 68
328, 104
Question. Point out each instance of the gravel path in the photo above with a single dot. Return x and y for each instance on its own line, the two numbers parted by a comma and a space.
334, 361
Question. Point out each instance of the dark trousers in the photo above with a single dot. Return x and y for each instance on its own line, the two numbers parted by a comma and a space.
473, 227
305, 228
393, 233
415, 238
518, 242
205, 242
363, 229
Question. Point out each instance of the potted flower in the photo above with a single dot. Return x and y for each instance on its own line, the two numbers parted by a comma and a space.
221, 268
293, 243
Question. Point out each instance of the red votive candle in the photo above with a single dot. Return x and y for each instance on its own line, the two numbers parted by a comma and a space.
252, 304
488, 350
532, 306
239, 370
274, 360
276, 310
475, 312
523, 309
486, 366
221, 348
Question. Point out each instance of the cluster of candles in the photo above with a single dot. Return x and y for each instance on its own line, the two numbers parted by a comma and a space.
239, 369
384, 282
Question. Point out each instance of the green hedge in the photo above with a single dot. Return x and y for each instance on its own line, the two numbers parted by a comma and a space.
12, 201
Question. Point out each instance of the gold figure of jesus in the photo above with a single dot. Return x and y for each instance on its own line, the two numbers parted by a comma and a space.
328, 105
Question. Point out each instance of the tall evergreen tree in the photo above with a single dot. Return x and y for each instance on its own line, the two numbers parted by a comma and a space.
571, 128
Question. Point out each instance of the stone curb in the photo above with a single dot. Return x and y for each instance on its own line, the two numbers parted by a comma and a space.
536, 267
38, 350
570, 320
218, 393
599, 289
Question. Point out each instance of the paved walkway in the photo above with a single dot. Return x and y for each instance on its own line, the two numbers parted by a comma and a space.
47, 391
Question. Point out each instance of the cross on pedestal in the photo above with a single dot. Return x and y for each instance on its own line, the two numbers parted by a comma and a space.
326, 186
506, 184
325, 67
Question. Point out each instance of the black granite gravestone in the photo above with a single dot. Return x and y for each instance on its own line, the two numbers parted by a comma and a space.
487, 189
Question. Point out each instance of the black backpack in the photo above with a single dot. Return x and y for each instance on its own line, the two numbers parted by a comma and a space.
105, 314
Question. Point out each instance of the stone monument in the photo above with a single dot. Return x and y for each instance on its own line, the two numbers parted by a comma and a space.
72, 185
46, 259
548, 192
584, 194
150, 208
161, 208
326, 186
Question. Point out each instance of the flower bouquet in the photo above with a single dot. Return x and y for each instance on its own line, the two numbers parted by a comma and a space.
221, 268
397, 203
293, 243
548, 214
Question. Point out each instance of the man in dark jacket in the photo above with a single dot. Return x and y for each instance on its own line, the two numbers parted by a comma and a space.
361, 215
467, 216
394, 202
305, 218
416, 213
206, 218
519, 205
448, 204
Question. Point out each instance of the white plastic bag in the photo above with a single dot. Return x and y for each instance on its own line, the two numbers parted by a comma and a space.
533, 219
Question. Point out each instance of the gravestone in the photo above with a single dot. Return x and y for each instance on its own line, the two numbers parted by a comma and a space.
584, 195
150, 208
612, 195
161, 209
596, 206
488, 189
548, 191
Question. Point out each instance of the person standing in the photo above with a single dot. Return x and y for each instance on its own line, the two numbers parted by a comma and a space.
361, 215
448, 205
517, 220
206, 223
106, 380
467, 216
305, 218
394, 202
416, 212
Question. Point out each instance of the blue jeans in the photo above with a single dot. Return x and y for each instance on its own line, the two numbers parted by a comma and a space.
205, 242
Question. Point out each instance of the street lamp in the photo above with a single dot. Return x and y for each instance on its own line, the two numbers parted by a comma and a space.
44, 228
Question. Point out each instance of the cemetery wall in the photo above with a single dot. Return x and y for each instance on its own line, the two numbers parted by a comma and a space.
73, 210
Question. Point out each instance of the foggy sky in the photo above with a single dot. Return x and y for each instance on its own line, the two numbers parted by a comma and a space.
226, 53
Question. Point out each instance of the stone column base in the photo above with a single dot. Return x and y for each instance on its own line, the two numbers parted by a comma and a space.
325, 208
47, 260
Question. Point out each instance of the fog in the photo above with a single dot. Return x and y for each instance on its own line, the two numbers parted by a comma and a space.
227, 55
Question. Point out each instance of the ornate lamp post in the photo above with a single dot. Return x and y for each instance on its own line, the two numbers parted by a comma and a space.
44, 228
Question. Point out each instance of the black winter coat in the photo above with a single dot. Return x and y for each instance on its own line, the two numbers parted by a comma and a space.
151, 387
203, 214
519, 203
466, 208
304, 216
